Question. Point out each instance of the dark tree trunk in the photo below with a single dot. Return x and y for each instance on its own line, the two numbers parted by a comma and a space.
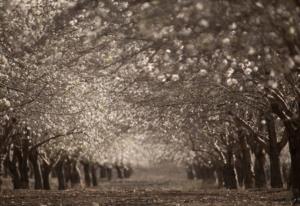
245, 160
103, 171
274, 152
220, 179
205, 173
5, 171
239, 169
59, 168
22, 156
197, 172
67, 171
259, 167
75, 174
5, 138
33, 158
128, 171
53, 174
294, 145
289, 183
292, 130
13, 169
209, 175
285, 173
119, 171
109, 173
46, 170
276, 179
87, 171
1, 169
228, 171
248, 174
94, 174
30, 170
229, 177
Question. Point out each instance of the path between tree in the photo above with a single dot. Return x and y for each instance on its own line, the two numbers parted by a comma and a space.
133, 193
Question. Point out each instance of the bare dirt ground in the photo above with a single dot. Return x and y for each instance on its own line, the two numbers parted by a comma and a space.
161, 189
138, 195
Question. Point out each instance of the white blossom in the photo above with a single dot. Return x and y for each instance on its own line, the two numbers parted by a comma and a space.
199, 6
203, 72
297, 58
229, 72
226, 41
231, 81
251, 51
248, 71
204, 23
175, 77
233, 26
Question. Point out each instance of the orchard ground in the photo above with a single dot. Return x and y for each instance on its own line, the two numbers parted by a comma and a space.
161, 186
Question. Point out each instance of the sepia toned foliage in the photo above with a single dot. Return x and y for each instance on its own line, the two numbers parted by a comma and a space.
212, 85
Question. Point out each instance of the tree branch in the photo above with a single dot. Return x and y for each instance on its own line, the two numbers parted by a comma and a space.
257, 137
71, 132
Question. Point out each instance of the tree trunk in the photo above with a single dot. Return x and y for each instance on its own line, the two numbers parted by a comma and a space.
1, 169
67, 171
196, 170
94, 174
229, 177
189, 172
109, 172
259, 167
13, 169
5, 170
22, 156
239, 169
75, 174
294, 145
246, 160
128, 171
289, 182
103, 171
30, 170
228, 171
247, 170
276, 179
87, 171
209, 175
119, 171
33, 158
46, 170
220, 179
59, 168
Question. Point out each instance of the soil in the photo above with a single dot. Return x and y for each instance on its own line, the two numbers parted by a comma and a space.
143, 193
158, 187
